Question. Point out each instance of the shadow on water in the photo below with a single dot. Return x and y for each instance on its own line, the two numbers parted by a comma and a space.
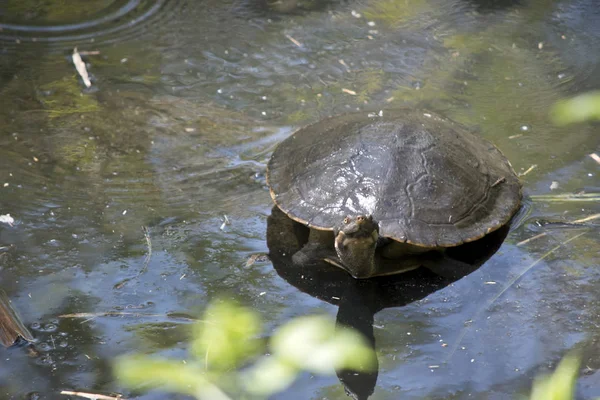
359, 300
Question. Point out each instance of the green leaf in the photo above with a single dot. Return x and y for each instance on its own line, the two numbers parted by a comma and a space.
312, 343
228, 336
149, 373
561, 384
268, 376
582, 108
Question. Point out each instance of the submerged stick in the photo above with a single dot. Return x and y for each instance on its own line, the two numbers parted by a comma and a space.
149, 254
90, 316
119, 285
505, 288
11, 327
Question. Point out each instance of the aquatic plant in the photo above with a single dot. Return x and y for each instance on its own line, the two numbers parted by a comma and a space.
227, 356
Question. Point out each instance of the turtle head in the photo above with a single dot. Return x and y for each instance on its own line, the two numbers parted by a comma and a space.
355, 244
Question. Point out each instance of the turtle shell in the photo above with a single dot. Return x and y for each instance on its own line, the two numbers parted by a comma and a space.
426, 180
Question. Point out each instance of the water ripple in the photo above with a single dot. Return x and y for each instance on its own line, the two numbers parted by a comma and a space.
105, 26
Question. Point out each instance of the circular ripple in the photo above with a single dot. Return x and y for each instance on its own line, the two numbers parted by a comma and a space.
113, 22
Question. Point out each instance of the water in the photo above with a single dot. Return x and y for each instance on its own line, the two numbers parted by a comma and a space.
189, 99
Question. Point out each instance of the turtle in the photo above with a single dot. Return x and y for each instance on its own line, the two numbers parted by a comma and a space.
386, 193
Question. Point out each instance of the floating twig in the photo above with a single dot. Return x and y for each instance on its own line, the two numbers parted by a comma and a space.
586, 219
595, 157
92, 396
344, 64
297, 43
90, 53
528, 170
532, 239
505, 288
80, 67
566, 197
348, 91
225, 222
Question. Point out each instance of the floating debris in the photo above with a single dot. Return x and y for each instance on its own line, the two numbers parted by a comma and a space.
373, 115
7, 219
297, 43
528, 170
344, 64
554, 185
352, 92
595, 157
11, 327
80, 67
92, 396
258, 257
540, 235
587, 219
566, 197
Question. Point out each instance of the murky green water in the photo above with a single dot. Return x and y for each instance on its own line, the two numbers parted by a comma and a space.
188, 100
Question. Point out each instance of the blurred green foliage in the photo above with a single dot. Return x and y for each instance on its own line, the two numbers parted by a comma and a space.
228, 356
560, 385
582, 108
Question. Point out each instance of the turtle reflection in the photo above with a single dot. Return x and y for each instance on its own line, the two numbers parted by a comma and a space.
360, 300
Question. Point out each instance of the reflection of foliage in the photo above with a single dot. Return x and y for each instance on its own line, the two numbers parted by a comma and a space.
585, 107
395, 12
128, 63
226, 359
159, 335
64, 97
368, 83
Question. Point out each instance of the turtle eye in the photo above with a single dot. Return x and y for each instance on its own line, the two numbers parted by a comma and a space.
346, 220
